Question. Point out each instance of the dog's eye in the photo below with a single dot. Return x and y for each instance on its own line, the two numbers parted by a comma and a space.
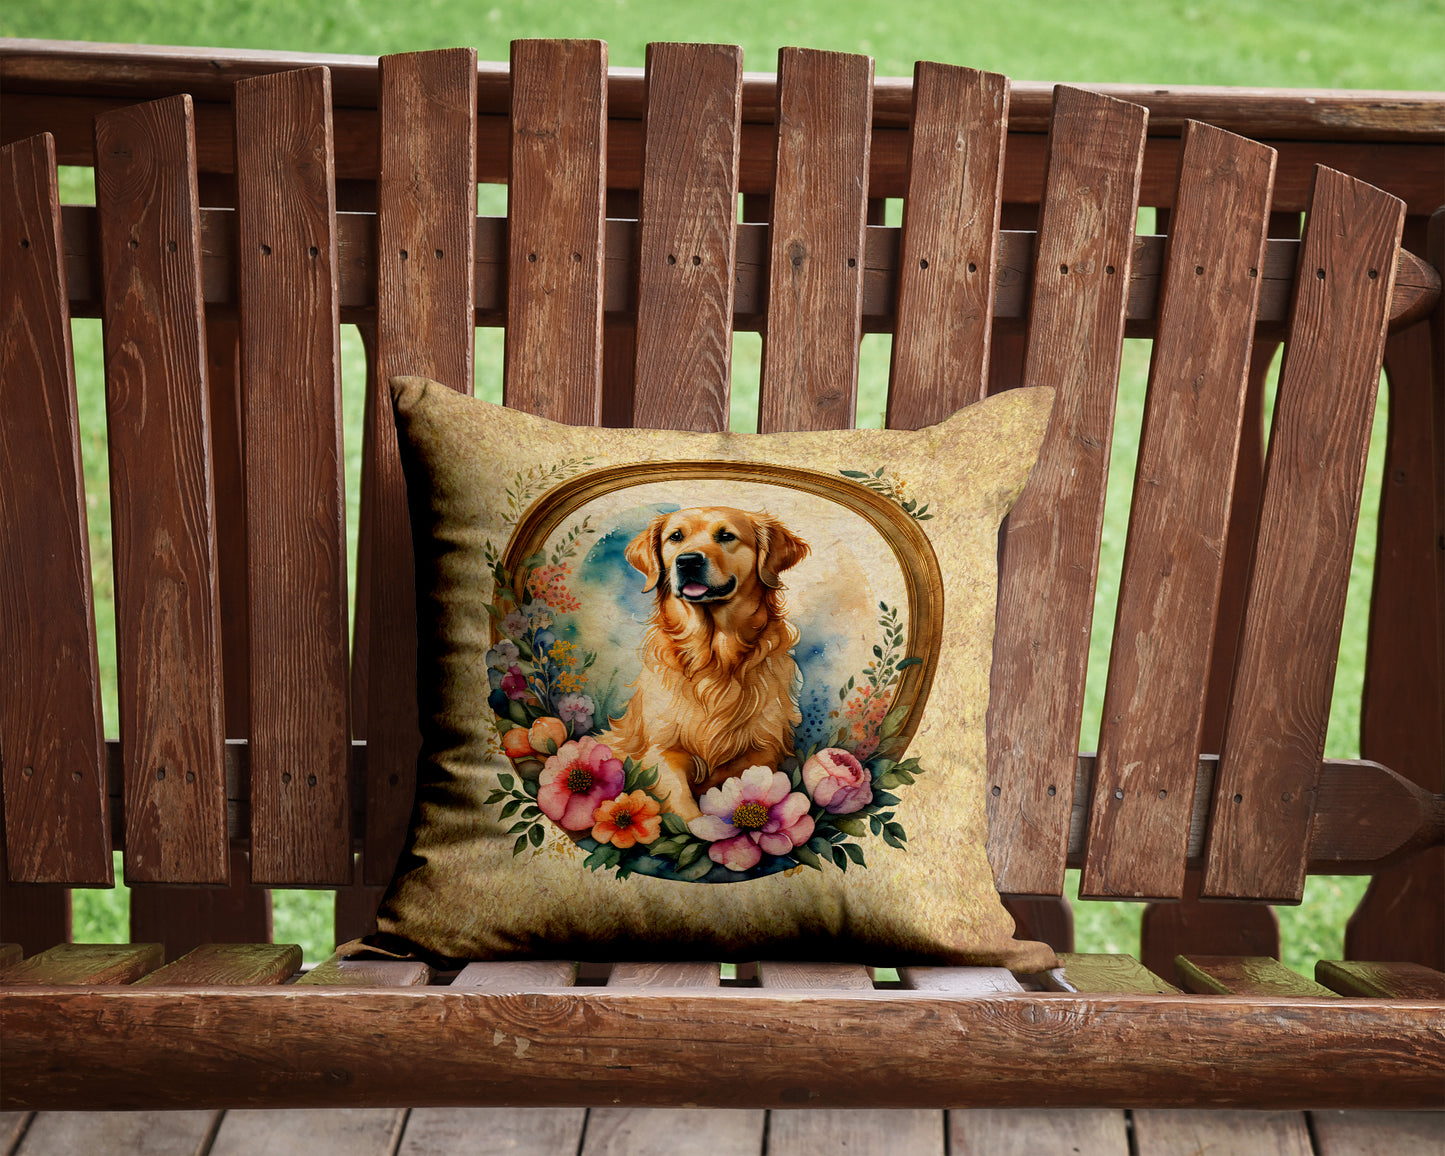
675, 536
726, 536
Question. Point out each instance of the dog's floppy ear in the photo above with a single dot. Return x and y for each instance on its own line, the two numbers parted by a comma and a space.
644, 552
778, 549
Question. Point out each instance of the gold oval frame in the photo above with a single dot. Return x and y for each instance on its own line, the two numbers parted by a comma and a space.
923, 580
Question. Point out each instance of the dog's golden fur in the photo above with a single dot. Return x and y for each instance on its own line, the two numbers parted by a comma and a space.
716, 694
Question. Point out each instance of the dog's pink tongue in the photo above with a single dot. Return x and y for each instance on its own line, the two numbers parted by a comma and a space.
694, 589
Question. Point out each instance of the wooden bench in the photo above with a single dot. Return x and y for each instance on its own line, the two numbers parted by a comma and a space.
247, 203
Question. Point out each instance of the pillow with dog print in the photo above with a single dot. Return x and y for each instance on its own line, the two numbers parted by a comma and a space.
712, 696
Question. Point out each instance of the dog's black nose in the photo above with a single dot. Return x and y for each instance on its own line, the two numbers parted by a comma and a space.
691, 563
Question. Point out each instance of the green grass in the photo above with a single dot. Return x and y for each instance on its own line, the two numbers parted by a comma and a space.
1315, 43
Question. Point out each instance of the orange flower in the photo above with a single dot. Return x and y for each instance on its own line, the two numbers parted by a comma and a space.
627, 819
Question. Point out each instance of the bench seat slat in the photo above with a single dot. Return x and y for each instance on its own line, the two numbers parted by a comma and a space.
816, 260
517, 974
168, 635
794, 975
687, 237
1383, 980
339, 972
300, 743
948, 258
56, 818
1275, 730
426, 224
1087, 972
228, 963
959, 980
1154, 702
85, 964
1243, 975
1051, 547
184, 918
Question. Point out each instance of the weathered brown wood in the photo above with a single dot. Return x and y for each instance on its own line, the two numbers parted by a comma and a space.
425, 255
517, 1131
947, 267
687, 237
13, 1125
1341, 1133
295, 501
1050, 558
1275, 732
678, 1131
355, 911
816, 260
336, 972
1383, 980
33, 915
1028, 1131
339, 1132
10, 953
443, 1047
1400, 914
664, 975
1048, 918
168, 632
56, 819
228, 963
518, 974
183, 918
868, 1132
1087, 972
1190, 926
85, 964
148, 1133
555, 205
1154, 702
796, 976
958, 980
1242, 975
1172, 1131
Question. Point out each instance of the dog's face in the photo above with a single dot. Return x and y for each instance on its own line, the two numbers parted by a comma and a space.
714, 554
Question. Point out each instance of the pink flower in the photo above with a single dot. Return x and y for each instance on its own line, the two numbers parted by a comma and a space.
838, 782
514, 682
578, 779
757, 811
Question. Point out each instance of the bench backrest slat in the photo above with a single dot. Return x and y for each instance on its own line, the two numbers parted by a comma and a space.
286, 237
556, 202
1173, 561
426, 230
1051, 549
816, 266
948, 255
56, 814
1275, 731
687, 237
168, 640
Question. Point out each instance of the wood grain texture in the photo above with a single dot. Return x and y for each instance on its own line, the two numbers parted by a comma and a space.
183, 918
1030, 1131
10, 953
876, 1132
677, 1131
1383, 980
664, 975
1154, 700
426, 218
555, 206
516, 1131
1089, 972
337, 1132
228, 963
456, 1047
796, 976
57, 825
687, 237
816, 258
1275, 731
70, 964
295, 500
167, 618
517, 974
1343, 1133
1243, 975
34, 915
1170, 1132
13, 1126
949, 247
1191, 926
120, 1133
336, 972
1050, 555
959, 980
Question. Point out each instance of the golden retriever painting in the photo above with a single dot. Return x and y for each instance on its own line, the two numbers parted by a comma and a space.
717, 692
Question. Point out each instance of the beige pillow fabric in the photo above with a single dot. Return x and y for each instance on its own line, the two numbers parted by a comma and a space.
705, 695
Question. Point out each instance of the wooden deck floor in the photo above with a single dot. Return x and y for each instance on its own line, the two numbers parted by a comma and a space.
684, 1132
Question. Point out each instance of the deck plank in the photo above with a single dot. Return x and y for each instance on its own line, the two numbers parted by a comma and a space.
312, 1131
858, 1132
516, 1131
118, 1133
1169, 1132
1027, 1131
675, 1131
1343, 1133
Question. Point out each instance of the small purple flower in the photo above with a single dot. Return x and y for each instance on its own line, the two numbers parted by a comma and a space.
503, 655
576, 709
514, 625
514, 682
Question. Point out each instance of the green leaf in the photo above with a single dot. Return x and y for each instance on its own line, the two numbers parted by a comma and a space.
495, 797
855, 853
520, 845
508, 783
840, 859
818, 845
806, 856
876, 823
674, 823
530, 812
884, 799
893, 721
510, 809
903, 776
796, 777
896, 830
646, 779
530, 786
696, 870
689, 854
853, 826
518, 712
536, 834
835, 835
853, 473
891, 779
877, 651
519, 825
910, 661
666, 848
893, 842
